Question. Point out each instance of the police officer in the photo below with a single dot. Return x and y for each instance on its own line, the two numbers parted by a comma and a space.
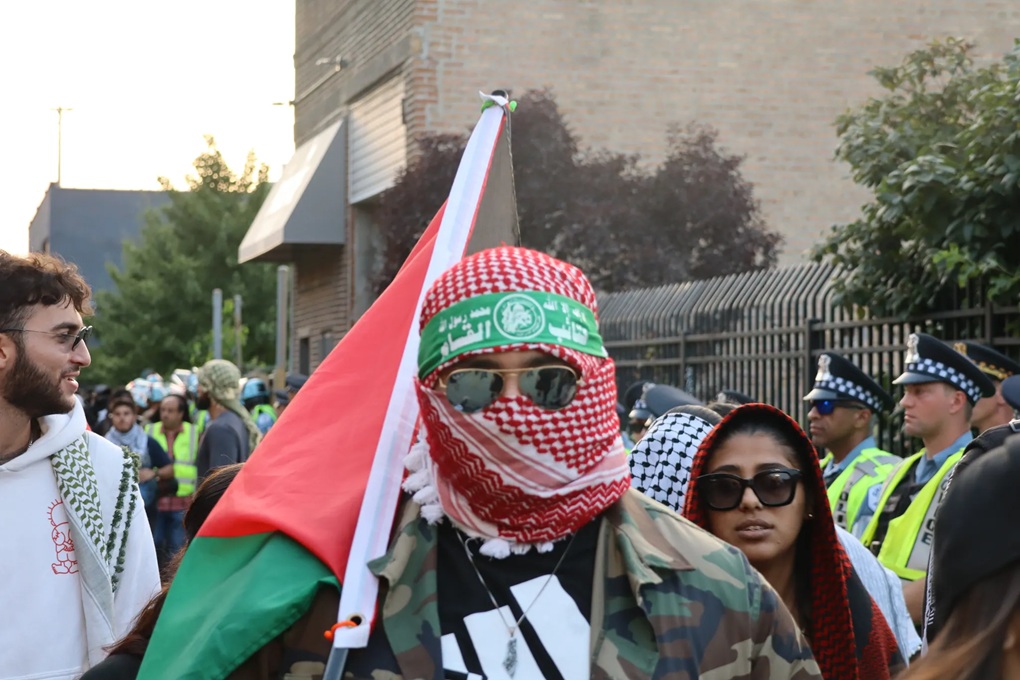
941, 387
994, 410
843, 403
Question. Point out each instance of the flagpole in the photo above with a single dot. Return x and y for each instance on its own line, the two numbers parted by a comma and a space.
359, 590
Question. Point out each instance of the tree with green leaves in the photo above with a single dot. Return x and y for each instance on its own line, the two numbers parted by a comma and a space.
694, 216
940, 150
159, 314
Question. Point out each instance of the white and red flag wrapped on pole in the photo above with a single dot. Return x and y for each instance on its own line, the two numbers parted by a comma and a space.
317, 499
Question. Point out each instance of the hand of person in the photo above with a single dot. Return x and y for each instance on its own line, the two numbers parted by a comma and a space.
145, 474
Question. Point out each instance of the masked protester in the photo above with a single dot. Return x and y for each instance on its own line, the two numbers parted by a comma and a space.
758, 486
522, 552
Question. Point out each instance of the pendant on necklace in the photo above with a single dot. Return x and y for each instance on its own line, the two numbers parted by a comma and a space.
510, 660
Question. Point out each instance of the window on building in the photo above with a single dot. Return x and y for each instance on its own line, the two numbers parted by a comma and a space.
305, 356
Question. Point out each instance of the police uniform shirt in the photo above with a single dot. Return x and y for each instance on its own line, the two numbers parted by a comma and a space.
928, 467
832, 470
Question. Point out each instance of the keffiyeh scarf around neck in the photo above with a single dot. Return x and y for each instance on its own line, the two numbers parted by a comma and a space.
134, 439
660, 463
514, 474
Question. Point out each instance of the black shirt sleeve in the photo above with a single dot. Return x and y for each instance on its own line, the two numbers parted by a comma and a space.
157, 454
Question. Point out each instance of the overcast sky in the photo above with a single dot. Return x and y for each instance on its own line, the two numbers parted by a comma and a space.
146, 81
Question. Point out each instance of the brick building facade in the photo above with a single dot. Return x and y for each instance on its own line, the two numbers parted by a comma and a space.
770, 75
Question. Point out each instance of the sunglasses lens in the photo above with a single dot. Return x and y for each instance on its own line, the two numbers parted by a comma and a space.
721, 492
774, 487
825, 406
471, 390
550, 387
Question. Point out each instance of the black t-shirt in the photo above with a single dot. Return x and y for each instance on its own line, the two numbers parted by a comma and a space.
552, 640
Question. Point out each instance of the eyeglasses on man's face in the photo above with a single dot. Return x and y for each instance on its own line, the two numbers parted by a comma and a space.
68, 340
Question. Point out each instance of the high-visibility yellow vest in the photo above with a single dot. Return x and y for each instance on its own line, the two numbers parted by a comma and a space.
906, 546
263, 408
849, 490
201, 419
184, 454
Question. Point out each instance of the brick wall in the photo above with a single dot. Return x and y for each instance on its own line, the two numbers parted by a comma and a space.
321, 302
771, 75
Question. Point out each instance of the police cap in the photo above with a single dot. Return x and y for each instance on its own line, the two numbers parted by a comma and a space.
839, 379
928, 359
995, 365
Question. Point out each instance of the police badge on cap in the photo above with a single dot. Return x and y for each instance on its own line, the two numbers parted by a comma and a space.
995, 365
929, 359
839, 379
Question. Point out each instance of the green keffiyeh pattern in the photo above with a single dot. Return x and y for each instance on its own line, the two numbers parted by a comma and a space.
76, 480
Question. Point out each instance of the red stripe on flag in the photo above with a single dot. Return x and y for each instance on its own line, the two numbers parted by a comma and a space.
308, 477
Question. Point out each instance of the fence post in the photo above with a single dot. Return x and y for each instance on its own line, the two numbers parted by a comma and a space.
811, 345
989, 318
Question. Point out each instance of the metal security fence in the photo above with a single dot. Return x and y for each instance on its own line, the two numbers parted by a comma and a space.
761, 333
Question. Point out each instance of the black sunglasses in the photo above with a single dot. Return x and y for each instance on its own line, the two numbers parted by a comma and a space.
724, 491
472, 389
75, 339
825, 407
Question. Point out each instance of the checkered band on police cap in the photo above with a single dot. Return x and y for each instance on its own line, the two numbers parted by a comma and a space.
929, 356
839, 375
944, 373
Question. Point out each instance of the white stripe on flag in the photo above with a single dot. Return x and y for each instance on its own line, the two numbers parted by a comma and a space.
382, 493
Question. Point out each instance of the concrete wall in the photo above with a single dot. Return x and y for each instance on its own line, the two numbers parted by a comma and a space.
771, 75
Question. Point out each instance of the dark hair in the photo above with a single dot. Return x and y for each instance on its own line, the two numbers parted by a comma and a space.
698, 411
122, 400
184, 405
38, 279
208, 494
969, 647
721, 407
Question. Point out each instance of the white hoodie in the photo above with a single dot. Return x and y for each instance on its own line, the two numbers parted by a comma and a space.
42, 618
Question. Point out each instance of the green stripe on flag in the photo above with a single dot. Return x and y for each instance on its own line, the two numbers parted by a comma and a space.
231, 597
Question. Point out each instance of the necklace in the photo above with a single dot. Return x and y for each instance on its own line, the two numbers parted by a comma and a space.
510, 659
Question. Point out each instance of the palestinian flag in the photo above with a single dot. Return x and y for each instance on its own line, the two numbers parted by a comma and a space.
317, 499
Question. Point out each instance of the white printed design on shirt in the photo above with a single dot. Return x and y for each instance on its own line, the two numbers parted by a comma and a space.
555, 618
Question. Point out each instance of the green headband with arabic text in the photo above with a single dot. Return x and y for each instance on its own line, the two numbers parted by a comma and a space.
500, 319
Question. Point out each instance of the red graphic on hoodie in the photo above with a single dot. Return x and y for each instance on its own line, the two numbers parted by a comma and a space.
62, 542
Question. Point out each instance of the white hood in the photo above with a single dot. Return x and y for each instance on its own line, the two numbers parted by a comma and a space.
58, 431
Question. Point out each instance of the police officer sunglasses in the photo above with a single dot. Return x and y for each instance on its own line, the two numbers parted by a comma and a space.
825, 407
548, 387
73, 339
724, 491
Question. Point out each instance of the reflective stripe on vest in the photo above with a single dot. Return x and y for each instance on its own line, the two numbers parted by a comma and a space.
849, 490
184, 454
908, 541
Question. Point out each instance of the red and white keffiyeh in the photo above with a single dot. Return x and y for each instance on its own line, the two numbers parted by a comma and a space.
513, 473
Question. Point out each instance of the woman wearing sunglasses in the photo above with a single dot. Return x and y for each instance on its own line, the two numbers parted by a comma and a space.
758, 486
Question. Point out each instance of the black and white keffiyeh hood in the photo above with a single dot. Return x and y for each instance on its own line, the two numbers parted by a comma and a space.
660, 464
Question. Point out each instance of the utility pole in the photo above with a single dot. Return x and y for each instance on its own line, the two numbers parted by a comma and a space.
60, 138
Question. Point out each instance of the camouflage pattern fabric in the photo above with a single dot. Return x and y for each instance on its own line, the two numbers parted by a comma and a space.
669, 601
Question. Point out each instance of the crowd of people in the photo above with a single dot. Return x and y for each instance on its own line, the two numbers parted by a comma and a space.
536, 536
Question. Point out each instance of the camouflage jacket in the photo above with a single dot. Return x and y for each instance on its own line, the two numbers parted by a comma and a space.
669, 600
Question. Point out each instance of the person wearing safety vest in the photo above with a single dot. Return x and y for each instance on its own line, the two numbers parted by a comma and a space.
990, 411
180, 439
843, 404
255, 397
940, 387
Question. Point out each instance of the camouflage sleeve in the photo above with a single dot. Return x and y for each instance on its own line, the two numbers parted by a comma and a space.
779, 648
